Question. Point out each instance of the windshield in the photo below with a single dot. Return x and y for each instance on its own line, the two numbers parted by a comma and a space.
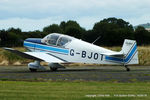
52, 40
63, 41
57, 39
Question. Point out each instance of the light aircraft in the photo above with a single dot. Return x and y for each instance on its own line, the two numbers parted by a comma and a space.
57, 48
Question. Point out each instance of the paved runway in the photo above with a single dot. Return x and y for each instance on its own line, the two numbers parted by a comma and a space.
84, 73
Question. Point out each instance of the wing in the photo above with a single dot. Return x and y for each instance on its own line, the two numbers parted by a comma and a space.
42, 56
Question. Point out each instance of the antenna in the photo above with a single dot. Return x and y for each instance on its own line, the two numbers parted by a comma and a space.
96, 39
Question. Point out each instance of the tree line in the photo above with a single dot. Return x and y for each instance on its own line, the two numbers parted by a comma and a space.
112, 32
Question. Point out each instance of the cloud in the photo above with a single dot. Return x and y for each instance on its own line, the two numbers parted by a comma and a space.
38, 24
43, 12
47, 8
28, 24
139, 20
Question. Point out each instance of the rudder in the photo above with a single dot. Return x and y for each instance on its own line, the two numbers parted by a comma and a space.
130, 52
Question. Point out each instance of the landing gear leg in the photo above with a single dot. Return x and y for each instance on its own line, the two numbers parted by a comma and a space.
127, 68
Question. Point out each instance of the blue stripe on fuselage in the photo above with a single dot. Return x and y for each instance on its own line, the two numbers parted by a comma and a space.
121, 60
44, 47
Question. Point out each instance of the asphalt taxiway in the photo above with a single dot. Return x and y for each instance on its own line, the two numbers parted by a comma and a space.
84, 73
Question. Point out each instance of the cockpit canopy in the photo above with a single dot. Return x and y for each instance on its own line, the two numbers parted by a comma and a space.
57, 39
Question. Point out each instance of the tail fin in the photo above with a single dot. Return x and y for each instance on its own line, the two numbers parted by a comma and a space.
130, 52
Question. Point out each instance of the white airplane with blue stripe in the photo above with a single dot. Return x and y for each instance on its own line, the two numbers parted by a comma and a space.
57, 48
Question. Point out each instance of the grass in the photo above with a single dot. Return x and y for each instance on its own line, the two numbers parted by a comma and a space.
19, 90
7, 58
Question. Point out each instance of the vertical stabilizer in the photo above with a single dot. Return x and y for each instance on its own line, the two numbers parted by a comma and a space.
130, 52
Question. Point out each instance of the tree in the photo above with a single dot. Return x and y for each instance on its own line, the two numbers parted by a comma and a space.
113, 31
3, 37
54, 28
142, 36
62, 26
13, 40
17, 31
89, 36
72, 28
9, 39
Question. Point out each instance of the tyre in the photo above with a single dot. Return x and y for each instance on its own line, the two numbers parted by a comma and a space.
53, 69
32, 70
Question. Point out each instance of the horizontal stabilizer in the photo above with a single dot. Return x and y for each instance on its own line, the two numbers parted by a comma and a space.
128, 54
115, 54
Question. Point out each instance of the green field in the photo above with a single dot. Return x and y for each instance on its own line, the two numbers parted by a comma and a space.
18, 90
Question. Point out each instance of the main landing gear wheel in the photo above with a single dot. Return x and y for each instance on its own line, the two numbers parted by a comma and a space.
32, 70
127, 69
53, 69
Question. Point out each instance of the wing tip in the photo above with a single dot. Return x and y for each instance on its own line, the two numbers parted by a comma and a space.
6, 48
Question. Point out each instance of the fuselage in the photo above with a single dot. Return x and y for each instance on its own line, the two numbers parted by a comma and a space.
76, 51
56, 48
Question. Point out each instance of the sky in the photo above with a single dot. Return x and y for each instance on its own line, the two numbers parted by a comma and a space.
30, 15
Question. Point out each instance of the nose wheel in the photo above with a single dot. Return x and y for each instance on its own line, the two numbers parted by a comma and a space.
34, 66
